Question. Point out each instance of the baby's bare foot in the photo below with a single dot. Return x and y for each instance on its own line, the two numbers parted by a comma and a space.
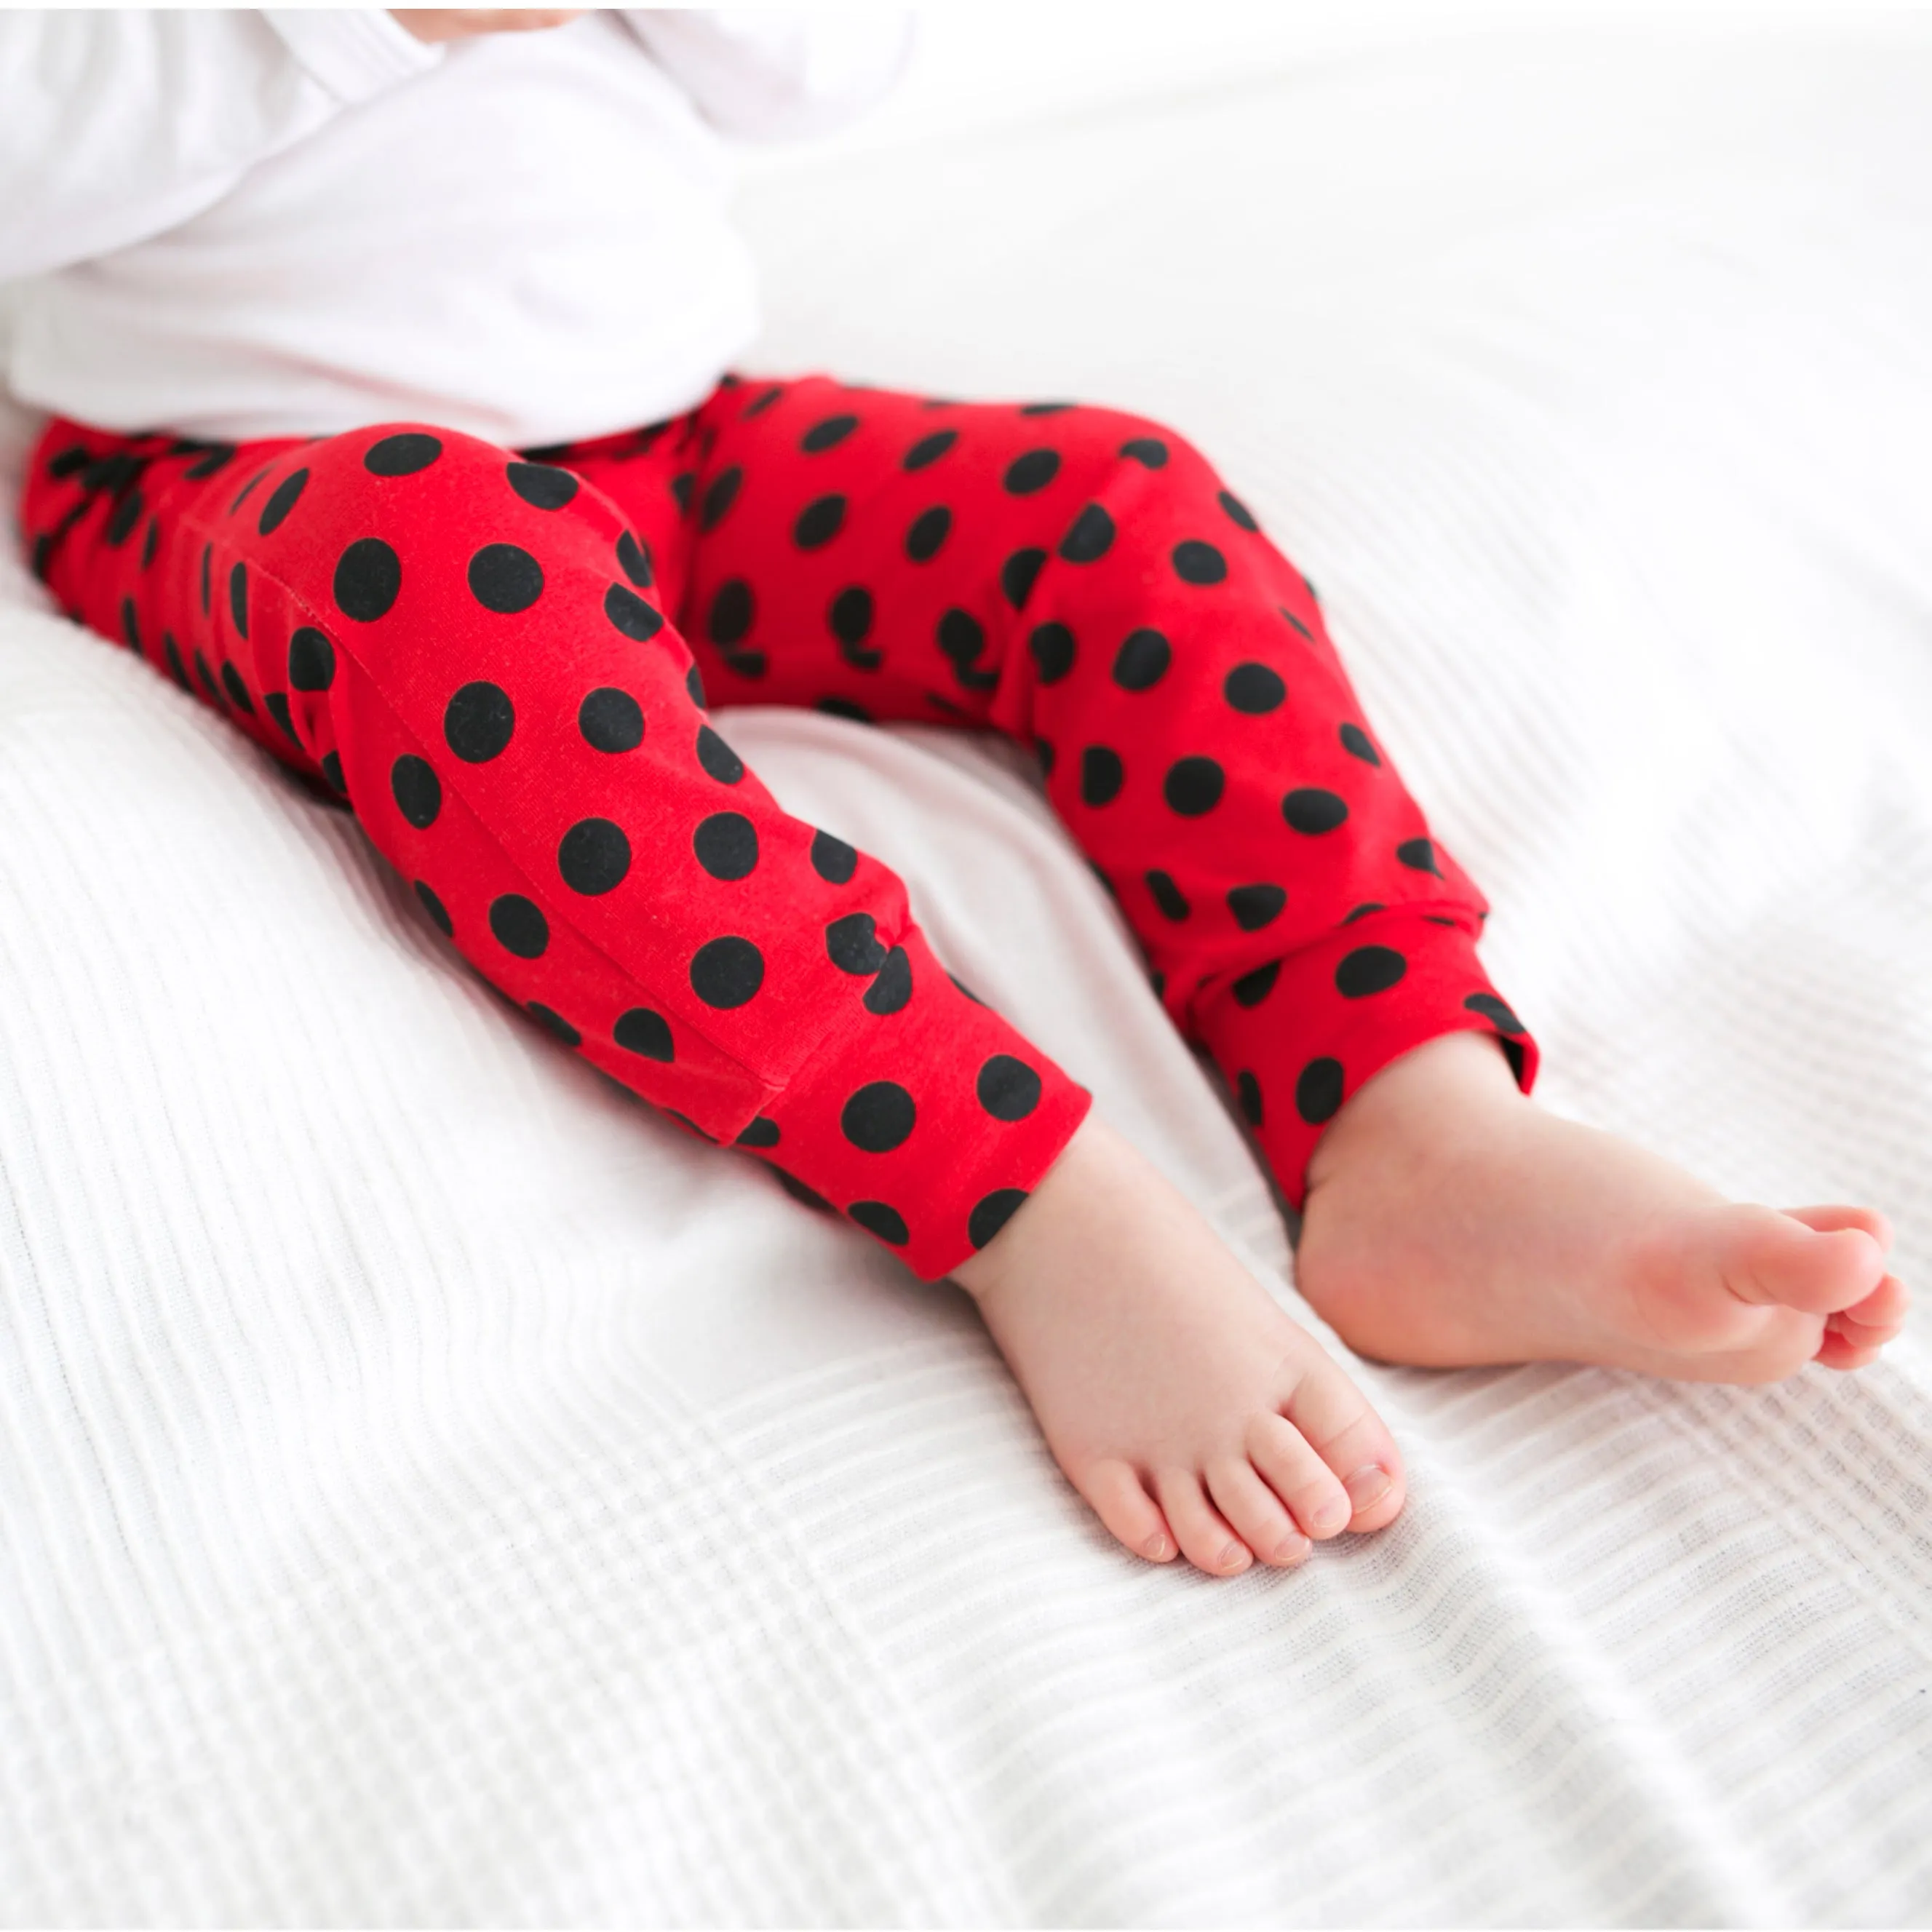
1450, 1221
1184, 1406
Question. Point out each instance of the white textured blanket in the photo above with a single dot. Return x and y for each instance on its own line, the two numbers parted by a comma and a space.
431, 1490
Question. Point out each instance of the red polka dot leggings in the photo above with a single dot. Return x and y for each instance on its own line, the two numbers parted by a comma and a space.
502, 662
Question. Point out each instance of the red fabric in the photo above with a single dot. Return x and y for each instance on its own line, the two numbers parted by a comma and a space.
491, 657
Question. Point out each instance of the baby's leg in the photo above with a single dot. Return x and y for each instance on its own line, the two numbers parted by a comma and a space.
1081, 578
468, 648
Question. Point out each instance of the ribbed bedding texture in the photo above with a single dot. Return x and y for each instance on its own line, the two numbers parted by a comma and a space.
433, 1490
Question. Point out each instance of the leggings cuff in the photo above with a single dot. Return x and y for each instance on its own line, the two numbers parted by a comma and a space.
935, 1163
1297, 1037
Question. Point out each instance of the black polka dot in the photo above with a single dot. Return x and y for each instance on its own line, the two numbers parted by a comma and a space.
1193, 786
207, 677
519, 926
1369, 969
726, 972
610, 720
1313, 811
1255, 906
131, 624
332, 770
1248, 1091
992, 1212
825, 435
238, 692
832, 859
1148, 451
717, 758
544, 486
275, 511
176, 669
478, 722
1238, 512
628, 613
122, 518
930, 448
727, 845
927, 531
553, 1023
72, 458
1101, 775
682, 485
593, 856
878, 1118
207, 566
634, 558
962, 637
237, 597
505, 578
1089, 538
1046, 408
1044, 755
733, 608
808, 1197
892, 987
644, 1032
760, 1133
1008, 1089
402, 455
876, 1218
1142, 662
277, 704
1251, 988
218, 456
1052, 648
417, 789
1419, 856
150, 544
1355, 742
1019, 575
852, 944
850, 616
1170, 899
1364, 911
1493, 1009
1317, 1090
368, 574
1254, 688
1033, 471
694, 687
819, 522
759, 404
311, 659
438, 914
720, 493
1198, 562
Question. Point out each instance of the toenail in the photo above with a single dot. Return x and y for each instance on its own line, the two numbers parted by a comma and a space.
1335, 1512
1292, 1549
1158, 1547
1234, 1557
1368, 1486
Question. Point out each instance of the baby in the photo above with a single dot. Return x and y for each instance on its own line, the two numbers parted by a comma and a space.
342, 320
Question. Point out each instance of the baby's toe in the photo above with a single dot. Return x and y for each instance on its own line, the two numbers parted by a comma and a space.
1779, 1260
1334, 1418
1206, 1538
1256, 1512
1288, 1462
1117, 1496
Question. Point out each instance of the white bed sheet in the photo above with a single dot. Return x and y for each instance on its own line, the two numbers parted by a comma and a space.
431, 1490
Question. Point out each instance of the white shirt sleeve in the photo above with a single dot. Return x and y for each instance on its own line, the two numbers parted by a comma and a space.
761, 75
118, 125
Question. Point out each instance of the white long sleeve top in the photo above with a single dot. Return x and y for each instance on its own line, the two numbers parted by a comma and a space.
260, 224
